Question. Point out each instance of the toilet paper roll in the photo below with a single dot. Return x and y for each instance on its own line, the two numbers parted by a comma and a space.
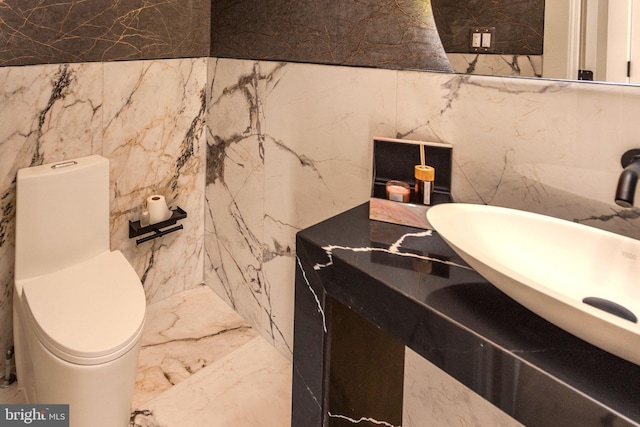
158, 209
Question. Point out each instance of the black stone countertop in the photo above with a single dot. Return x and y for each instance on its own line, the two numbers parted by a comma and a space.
413, 286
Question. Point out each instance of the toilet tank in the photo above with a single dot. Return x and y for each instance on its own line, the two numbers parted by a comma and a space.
62, 215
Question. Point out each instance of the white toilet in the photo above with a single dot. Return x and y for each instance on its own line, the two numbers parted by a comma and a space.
78, 307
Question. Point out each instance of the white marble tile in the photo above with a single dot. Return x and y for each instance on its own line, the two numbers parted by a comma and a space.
153, 133
279, 297
317, 163
12, 396
47, 113
496, 65
249, 387
184, 334
525, 143
154, 130
235, 183
289, 145
433, 398
321, 122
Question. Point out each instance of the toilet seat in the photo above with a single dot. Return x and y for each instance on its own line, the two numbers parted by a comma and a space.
90, 313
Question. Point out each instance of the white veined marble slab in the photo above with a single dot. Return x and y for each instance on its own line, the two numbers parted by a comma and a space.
249, 387
184, 334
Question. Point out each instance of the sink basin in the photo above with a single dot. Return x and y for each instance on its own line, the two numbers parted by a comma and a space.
582, 279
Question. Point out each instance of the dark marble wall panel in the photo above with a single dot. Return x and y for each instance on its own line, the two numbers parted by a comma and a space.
377, 33
57, 31
519, 24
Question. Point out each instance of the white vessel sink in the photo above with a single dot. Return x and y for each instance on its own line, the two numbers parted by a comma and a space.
584, 280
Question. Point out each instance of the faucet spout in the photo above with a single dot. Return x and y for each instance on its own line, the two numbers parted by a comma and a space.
628, 181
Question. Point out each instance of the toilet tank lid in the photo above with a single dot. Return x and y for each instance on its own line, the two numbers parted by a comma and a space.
88, 313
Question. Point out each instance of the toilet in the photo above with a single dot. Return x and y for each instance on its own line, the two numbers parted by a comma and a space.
78, 307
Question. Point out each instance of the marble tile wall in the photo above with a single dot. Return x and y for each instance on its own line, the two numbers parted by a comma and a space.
147, 118
184, 334
519, 24
154, 134
404, 34
59, 31
496, 65
291, 144
373, 33
282, 154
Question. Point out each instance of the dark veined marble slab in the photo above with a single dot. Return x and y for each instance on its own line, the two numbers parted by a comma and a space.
60, 31
411, 286
373, 33
519, 24
387, 34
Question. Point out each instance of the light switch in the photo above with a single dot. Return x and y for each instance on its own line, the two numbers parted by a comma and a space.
476, 39
481, 39
486, 40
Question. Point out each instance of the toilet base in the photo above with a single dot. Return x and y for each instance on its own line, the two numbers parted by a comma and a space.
97, 395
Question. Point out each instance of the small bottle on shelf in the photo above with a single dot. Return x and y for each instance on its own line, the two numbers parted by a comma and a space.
425, 176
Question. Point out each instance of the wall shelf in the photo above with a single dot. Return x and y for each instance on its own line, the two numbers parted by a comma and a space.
135, 229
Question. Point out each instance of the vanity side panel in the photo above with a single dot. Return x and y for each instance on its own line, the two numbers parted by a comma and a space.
366, 371
309, 343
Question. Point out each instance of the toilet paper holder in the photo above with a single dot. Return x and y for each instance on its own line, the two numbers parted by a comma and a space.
135, 229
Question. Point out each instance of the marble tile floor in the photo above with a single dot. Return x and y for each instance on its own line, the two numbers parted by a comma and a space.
202, 365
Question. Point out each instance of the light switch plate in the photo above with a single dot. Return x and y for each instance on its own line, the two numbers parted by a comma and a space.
482, 39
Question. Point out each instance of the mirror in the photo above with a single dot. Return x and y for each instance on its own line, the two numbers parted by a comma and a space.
555, 39
595, 38
558, 39
501, 38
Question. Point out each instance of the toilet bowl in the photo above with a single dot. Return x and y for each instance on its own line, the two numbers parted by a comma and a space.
79, 308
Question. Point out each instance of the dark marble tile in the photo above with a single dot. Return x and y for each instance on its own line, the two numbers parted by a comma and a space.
519, 24
529, 368
396, 35
399, 34
57, 31
355, 390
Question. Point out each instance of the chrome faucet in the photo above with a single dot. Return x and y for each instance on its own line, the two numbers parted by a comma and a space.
628, 178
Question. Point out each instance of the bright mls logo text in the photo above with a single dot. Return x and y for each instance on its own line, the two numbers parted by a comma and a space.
38, 415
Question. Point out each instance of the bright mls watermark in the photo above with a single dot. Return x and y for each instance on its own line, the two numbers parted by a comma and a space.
34, 415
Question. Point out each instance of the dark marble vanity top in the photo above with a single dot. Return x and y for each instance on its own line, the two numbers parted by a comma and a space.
409, 283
